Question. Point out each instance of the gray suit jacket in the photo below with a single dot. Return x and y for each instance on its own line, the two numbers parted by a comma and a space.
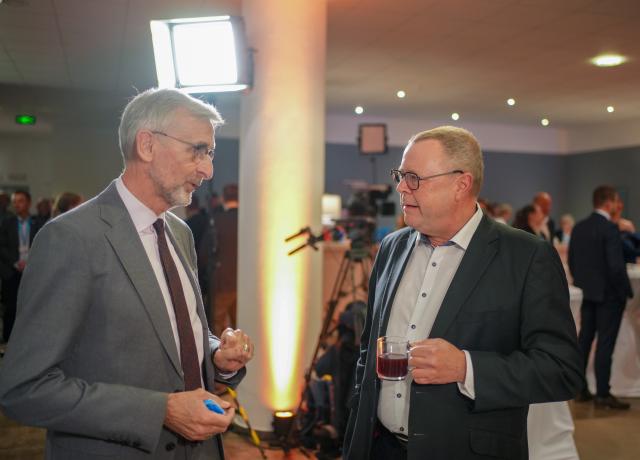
92, 355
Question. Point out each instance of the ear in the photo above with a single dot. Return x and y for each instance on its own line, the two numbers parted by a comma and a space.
464, 185
143, 147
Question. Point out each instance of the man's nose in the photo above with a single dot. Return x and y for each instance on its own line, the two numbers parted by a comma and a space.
205, 168
402, 187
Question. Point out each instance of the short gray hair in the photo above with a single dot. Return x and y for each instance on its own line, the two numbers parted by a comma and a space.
153, 109
461, 147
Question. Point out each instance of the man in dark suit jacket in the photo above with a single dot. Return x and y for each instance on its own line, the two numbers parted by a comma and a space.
597, 265
111, 352
16, 235
485, 307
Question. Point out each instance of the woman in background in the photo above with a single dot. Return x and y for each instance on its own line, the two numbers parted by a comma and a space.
65, 202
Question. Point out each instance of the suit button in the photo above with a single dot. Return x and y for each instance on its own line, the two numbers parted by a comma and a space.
170, 446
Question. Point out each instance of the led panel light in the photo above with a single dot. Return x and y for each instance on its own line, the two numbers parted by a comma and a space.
201, 55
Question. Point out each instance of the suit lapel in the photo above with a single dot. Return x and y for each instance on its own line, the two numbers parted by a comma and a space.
399, 257
480, 253
125, 242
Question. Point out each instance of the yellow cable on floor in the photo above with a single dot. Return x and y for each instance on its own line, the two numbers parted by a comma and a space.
245, 417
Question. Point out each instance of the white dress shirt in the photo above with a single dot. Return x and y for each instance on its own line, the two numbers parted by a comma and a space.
143, 219
603, 213
424, 284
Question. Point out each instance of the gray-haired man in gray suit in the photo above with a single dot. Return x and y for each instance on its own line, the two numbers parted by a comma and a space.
111, 351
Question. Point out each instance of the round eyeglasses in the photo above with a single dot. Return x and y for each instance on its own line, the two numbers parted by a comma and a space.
413, 180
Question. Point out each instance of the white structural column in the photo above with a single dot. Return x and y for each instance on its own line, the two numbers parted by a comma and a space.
281, 184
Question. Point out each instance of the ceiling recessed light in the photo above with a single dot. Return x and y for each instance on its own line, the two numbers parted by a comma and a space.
359, 110
544, 122
455, 116
511, 101
611, 109
401, 94
608, 60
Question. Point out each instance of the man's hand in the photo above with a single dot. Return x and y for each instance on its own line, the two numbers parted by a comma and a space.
188, 416
437, 361
625, 225
20, 265
235, 351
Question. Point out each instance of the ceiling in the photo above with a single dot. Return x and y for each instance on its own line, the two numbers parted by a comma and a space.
465, 56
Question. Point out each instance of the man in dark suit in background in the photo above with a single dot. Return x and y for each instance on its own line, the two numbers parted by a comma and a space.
485, 306
597, 265
16, 235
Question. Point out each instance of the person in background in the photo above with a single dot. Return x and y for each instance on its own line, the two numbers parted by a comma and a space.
543, 201
111, 352
486, 206
630, 237
503, 213
225, 296
16, 237
43, 210
563, 234
484, 307
5, 201
530, 219
597, 265
215, 203
198, 222
64, 202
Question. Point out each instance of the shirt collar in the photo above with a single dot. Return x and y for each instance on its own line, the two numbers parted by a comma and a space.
464, 235
603, 213
142, 216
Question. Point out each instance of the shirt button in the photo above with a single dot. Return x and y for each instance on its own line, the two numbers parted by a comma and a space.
433, 264
402, 429
170, 446
413, 326
399, 395
424, 294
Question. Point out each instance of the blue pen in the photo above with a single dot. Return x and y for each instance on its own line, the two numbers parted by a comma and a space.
213, 407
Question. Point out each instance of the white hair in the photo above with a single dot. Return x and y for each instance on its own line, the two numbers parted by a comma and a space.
153, 109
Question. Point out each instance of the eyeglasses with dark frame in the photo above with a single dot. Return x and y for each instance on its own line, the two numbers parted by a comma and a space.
413, 180
200, 151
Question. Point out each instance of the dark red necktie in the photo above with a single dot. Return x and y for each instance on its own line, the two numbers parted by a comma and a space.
188, 351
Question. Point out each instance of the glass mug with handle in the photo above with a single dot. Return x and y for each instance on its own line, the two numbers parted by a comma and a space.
392, 358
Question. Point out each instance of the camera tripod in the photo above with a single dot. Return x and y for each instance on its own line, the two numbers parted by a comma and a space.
358, 255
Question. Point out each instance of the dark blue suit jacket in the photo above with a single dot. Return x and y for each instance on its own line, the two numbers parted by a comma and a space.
597, 262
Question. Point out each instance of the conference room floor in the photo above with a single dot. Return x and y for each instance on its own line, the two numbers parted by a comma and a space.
600, 434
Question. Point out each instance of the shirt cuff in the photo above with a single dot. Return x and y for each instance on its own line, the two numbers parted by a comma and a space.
221, 375
225, 375
466, 387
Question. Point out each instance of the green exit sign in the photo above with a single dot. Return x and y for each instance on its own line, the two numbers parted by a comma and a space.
26, 119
